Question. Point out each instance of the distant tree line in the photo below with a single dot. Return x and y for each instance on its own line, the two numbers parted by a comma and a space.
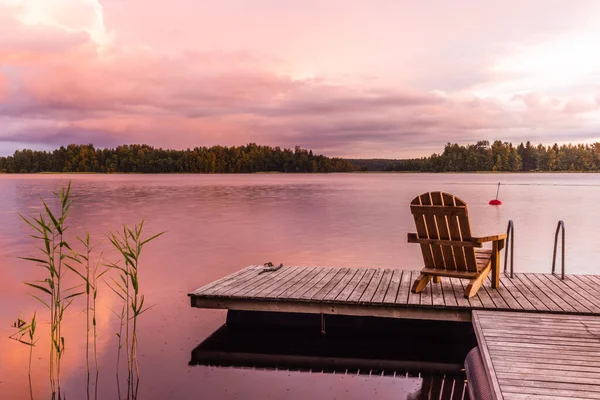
374, 164
147, 159
505, 157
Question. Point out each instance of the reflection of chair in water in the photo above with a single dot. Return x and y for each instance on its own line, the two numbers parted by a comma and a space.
444, 233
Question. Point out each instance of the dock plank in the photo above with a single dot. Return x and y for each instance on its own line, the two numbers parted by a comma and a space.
307, 283
540, 355
582, 295
392, 292
535, 295
222, 290
371, 288
344, 294
361, 290
245, 275
383, 287
256, 281
276, 283
425, 296
509, 299
475, 301
224, 279
588, 285
362, 286
563, 290
291, 283
459, 293
310, 293
341, 285
494, 294
405, 296
340, 274
437, 294
543, 286
448, 293
268, 279
521, 299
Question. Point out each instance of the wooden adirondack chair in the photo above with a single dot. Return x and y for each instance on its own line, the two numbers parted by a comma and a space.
444, 233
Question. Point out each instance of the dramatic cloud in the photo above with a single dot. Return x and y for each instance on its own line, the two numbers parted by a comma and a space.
391, 81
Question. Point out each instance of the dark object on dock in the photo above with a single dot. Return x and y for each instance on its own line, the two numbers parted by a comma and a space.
444, 233
477, 380
270, 267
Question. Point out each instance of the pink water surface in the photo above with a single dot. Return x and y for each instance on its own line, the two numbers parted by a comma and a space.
217, 224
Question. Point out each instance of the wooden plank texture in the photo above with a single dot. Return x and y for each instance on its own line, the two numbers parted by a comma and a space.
541, 355
366, 287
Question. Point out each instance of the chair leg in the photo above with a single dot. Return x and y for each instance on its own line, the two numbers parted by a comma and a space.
476, 282
420, 283
437, 279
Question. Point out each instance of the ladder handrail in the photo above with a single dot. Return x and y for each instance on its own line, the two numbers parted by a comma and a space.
510, 236
560, 225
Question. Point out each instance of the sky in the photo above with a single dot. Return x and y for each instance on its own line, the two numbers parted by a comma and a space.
382, 78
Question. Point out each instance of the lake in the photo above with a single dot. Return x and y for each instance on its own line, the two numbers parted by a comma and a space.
217, 224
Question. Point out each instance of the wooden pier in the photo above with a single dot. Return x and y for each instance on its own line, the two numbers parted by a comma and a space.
540, 356
386, 293
539, 335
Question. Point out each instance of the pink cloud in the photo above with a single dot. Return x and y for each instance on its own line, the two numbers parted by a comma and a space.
3, 88
581, 105
59, 84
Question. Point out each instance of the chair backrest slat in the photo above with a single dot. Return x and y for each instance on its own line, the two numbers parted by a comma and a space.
444, 231
422, 233
444, 216
454, 228
432, 231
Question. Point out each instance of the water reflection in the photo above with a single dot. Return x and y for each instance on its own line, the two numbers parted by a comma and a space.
426, 355
218, 224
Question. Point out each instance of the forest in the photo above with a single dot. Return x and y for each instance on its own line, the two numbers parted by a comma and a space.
482, 156
147, 159
505, 157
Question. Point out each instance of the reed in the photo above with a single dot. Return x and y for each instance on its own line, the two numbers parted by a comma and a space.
25, 334
129, 244
49, 228
90, 276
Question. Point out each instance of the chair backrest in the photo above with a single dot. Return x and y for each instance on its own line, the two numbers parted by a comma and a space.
442, 216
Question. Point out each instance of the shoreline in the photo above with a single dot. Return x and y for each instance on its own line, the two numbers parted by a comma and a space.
300, 173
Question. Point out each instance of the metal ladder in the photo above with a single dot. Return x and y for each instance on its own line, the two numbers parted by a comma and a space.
510, 236
559, 228
509, 250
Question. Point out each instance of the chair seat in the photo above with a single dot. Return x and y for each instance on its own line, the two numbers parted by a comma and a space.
483, 256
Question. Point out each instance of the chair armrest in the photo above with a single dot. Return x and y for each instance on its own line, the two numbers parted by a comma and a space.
413, 238
492, 238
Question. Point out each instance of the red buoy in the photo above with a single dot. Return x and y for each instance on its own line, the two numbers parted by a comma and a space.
496, 202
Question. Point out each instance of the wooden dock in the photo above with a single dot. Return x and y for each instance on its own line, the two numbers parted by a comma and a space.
386, 293
538, 335
540, 356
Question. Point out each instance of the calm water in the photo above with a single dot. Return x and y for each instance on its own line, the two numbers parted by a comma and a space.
218, 224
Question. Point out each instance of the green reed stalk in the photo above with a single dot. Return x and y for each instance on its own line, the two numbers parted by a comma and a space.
96, 275
50, 229
129, 244
90, 276
26, 329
